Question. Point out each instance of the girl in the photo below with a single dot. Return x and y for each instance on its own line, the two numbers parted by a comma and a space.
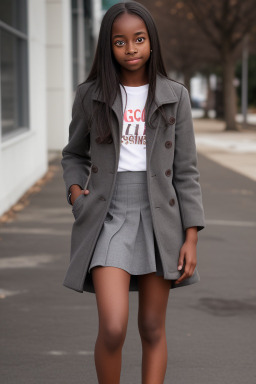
130, 170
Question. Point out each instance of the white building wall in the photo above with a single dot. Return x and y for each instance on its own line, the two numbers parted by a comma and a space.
23, 159
59, 72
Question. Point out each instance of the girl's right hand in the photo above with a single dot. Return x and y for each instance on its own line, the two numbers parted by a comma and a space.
77, 191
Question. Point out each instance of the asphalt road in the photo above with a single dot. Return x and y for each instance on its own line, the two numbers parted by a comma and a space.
48, 331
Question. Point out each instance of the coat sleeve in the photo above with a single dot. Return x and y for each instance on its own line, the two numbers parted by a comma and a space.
185, 171
76, 159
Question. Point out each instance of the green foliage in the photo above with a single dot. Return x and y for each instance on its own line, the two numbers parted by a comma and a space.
106, 4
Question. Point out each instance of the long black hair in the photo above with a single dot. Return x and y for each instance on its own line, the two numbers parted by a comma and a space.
105, 71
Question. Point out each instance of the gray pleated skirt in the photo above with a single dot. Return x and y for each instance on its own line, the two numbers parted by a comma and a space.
127, 239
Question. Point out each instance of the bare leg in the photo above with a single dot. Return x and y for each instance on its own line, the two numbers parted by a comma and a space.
153, 299
112, 295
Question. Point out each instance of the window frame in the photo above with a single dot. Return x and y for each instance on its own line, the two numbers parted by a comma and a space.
20, 130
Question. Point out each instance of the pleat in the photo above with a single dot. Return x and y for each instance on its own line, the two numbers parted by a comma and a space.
109, 229
145, 240
122, 245
127, 239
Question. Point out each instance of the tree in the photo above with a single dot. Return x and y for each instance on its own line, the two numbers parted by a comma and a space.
200, 34
225, 23
185, 49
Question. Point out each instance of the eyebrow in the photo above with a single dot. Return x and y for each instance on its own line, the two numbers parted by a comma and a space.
135, 34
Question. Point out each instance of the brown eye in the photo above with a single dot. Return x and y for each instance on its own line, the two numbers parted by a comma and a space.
119, 43
140, 39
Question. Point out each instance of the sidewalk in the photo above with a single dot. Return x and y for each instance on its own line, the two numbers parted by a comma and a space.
234, 150
50, 331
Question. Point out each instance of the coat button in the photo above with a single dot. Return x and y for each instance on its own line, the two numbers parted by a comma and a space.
172, 202
168, 172
102, 198
168, 144
110, 140
172, 120
94, 169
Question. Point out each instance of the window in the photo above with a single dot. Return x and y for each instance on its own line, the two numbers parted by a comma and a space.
13, 67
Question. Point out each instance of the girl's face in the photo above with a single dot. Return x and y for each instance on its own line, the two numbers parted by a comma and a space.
130, 43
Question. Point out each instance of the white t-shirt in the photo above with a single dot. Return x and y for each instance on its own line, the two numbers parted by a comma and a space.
133, 143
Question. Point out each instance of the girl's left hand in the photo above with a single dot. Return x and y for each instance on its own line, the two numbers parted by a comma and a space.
187, 258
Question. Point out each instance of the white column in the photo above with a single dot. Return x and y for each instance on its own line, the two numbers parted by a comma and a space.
97, 17
59, 71
80, 41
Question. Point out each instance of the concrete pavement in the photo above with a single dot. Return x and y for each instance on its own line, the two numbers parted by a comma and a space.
234, 150
48, 331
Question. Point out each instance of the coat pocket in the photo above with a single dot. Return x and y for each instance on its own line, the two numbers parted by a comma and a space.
77, 206
108, 218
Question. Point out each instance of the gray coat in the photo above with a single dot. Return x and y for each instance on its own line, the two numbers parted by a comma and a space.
172, 176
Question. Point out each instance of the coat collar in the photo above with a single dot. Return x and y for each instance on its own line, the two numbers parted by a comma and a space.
164, 94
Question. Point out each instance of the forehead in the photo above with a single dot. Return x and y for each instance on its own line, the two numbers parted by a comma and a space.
128, 24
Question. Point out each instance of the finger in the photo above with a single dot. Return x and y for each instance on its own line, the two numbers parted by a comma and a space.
86, 191
192, 269
185, 275
180, 279
188, 272
181, 260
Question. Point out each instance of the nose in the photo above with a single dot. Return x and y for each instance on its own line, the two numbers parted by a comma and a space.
130, 49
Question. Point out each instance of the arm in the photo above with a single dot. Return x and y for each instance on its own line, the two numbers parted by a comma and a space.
76, 159
185, 172
186, 184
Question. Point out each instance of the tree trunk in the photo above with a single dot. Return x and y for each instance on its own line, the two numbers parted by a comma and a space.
229, 91
208, 98
218, 99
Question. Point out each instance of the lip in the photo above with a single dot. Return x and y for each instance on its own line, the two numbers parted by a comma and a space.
133, 61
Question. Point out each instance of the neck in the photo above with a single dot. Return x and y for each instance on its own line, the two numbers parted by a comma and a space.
134, 79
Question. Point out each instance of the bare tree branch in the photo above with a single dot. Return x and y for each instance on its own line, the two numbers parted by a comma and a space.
202, 22
236, 19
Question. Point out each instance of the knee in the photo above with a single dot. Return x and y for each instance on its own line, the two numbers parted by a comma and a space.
151, 329
113, 335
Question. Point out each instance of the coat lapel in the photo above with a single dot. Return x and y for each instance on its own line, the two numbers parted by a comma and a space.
117, 107
164, 95
116, 130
